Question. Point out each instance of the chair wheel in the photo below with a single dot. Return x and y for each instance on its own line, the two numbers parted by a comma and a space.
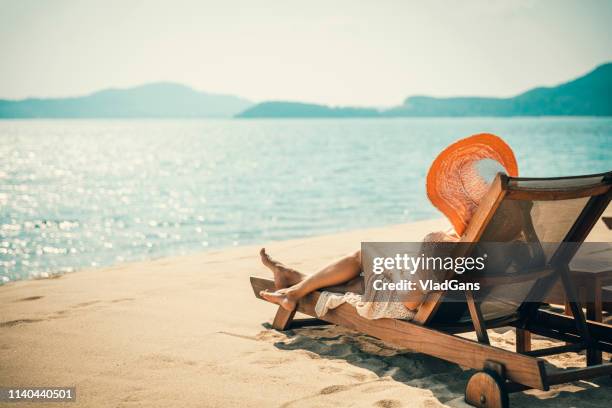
486, 389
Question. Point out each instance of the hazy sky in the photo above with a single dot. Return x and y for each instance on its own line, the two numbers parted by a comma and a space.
336, 52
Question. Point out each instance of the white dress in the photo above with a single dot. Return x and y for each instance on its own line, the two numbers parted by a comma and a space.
384, 304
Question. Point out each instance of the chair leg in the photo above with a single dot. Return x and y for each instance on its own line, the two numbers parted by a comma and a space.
594, 313
579, 318
477, 319
523, 340
283, 319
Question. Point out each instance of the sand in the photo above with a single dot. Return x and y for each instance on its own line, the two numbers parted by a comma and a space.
188, 332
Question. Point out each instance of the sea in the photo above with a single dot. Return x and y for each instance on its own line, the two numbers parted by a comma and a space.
86, 193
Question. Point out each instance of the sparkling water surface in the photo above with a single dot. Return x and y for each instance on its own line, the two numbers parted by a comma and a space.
78, 193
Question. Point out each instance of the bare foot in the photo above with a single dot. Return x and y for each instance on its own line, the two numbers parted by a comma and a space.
283, 276
281, 298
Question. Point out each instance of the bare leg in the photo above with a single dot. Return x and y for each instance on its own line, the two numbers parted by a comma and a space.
339, 272
355, 285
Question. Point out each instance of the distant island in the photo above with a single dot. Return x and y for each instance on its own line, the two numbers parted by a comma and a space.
589, 95
280, 109
156, 100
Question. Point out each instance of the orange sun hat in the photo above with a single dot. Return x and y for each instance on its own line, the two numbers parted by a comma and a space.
462, 174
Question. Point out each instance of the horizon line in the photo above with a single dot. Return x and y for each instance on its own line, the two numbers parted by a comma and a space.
256, 101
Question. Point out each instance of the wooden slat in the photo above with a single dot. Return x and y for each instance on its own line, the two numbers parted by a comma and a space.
599, 331
465, 327
488, 205
569, 338
564, 376
512, 387
486, 209
259, 284
584, 176
526, 370
567, 348
549, 195
563, 328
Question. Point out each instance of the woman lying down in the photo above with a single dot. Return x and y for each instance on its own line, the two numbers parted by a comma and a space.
456, 183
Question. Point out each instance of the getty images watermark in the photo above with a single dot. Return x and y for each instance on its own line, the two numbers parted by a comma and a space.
404, 263
505, 272
419, 266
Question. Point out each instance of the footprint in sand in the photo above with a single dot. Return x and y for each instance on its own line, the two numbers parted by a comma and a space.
12, 323
29, 299
163, 361
273, 362
122, 300
431, 403
330, 370
85, 304
332, 389
388, 403
268, 335
359, 376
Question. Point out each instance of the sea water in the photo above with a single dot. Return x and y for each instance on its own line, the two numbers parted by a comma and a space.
80, 193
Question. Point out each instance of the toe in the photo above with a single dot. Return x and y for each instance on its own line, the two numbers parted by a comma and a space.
265, 258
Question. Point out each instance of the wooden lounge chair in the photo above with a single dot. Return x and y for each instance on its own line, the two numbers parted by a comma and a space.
558, 210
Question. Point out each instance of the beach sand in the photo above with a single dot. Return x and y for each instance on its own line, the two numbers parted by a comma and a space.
188, 332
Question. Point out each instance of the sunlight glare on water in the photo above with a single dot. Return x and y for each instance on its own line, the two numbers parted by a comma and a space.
77, 194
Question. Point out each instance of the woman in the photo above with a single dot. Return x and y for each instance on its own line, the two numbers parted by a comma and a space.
456, 182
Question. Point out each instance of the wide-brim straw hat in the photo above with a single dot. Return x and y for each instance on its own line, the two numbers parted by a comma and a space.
462, 174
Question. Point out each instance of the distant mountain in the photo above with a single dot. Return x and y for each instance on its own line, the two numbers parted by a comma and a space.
281, 109
156, 100
589, 95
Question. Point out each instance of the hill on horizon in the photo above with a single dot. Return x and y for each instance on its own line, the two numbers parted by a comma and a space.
155, 100
286, 109
589, 95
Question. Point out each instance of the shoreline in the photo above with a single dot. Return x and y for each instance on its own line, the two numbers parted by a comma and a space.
195, 252
597, 235
187, 330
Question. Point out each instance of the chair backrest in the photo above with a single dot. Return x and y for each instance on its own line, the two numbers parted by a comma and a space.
545, 215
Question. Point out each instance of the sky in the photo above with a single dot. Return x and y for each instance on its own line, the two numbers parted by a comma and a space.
363, 53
